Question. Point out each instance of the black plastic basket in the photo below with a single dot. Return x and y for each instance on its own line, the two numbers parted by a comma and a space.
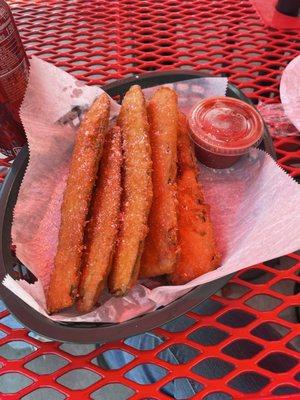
96, 332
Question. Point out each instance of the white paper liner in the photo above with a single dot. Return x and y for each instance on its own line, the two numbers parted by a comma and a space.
254, 205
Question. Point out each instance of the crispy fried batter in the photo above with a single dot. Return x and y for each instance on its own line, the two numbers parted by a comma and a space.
82, 174
103, 226
137, 191
160, 252
198, 253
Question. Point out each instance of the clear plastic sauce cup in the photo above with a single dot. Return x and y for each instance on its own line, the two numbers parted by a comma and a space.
223, 129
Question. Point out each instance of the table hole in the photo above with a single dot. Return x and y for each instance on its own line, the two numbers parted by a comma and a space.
113, 391
270, 331
178, 354
289, 314
242, 349
2, 306
39, 337
294, 344
256, 276
44, 393
281, 263
213, 368
285, 390
208, 335
234, 290
287, 287
208, 307
11, 322
289, 146
218, 396
278, 362
113, 359
2, 334
12, 382
182, 388
249, 382
77, 349
263, 302
78, 379
236, 318
16, 349
293, 162
46, 364
179, 324
147, 373
145, 341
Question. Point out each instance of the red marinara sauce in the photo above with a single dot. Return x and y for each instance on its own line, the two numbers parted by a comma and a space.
223, 129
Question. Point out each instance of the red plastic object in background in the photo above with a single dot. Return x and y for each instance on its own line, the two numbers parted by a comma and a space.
244, 342
14, 68
273, 18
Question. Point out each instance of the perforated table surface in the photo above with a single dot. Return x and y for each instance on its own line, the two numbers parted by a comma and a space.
243, 342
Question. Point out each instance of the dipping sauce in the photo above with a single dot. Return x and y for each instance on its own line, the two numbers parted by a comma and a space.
223, 129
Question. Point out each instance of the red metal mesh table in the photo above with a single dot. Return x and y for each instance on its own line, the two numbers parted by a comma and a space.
244, 341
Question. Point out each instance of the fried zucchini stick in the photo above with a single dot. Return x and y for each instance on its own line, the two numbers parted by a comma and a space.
82, 174
103, 226
137, 191
160, 252
198, 253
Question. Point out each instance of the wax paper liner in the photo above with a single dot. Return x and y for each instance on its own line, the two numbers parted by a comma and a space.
254, 218
290, 91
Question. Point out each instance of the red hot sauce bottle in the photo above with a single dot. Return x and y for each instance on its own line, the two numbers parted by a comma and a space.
14, 69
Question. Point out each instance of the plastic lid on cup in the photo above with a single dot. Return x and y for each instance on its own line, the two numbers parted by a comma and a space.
226, 126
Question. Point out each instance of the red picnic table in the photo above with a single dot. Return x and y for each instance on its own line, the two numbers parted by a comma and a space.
244, 341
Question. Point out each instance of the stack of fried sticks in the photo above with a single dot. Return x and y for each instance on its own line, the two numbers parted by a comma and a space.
133, 206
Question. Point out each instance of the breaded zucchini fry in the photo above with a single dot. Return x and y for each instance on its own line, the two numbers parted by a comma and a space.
103, 226
198, 253
82, 174
160, 252
137, 191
